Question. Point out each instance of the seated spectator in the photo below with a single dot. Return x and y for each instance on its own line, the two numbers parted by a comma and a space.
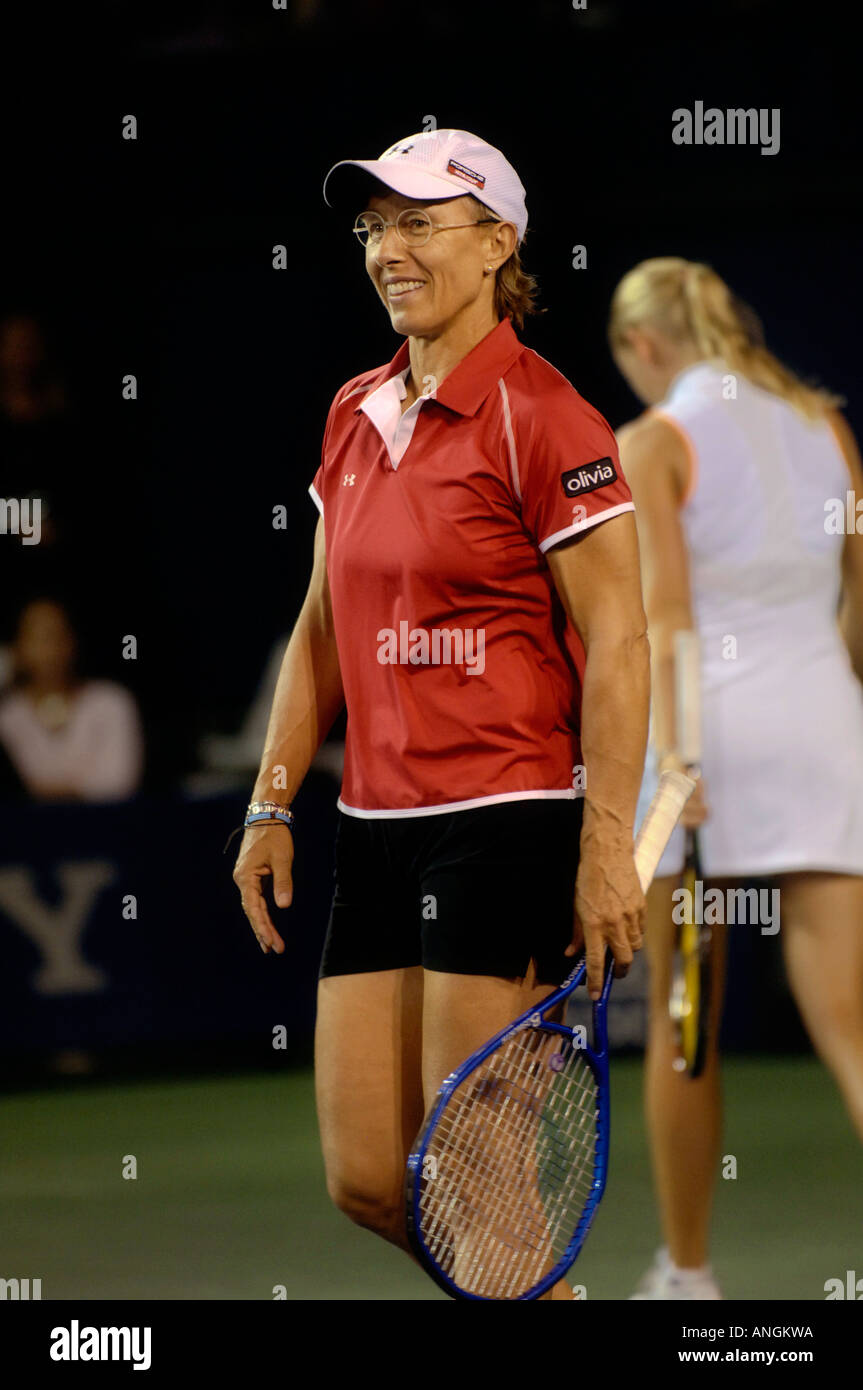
67, 737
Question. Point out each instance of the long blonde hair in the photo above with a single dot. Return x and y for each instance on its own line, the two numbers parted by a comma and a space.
688, 301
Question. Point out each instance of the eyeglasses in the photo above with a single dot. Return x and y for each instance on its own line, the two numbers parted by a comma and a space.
414, 226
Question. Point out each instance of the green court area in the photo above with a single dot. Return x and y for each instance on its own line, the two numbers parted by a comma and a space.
229, 1199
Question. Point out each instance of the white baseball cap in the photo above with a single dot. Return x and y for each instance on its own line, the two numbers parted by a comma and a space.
447, 164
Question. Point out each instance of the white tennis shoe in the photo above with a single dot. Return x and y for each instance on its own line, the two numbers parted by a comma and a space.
665, 1281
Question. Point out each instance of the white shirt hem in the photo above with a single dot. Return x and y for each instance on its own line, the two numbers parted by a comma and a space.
563, 794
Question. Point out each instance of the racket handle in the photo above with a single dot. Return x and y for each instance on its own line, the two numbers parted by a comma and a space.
663, 813
687, 696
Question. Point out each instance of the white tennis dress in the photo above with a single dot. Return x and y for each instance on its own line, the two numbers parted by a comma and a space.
782, 710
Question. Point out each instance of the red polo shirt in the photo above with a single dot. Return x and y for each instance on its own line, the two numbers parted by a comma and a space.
460, 671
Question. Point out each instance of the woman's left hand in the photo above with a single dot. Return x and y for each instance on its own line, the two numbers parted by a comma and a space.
610, 908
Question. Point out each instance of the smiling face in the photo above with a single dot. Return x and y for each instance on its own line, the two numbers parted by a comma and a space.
427, 288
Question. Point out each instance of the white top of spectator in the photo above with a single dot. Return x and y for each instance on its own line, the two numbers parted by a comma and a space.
98, 753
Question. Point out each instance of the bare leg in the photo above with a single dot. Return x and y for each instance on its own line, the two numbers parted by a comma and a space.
822, 936
368, 1079
684, 1116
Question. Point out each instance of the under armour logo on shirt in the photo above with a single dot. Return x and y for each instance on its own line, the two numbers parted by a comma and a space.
350, 479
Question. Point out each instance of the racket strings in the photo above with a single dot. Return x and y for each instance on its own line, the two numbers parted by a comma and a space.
510, 1206
514, 1166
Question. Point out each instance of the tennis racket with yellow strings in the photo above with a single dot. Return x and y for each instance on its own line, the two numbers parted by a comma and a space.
689, 998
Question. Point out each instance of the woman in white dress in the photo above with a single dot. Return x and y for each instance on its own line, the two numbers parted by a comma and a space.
746, 483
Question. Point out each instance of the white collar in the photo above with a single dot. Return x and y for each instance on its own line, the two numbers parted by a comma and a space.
399, 381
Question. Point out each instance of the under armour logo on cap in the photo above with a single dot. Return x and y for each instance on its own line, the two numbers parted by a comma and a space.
395, 150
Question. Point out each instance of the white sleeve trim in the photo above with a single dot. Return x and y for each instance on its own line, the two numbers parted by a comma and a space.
313, 493
510, 439
585, 525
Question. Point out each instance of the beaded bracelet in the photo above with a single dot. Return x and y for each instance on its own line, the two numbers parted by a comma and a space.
259, 811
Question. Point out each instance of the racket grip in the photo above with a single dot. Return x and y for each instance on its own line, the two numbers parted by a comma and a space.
663, 813
687, 696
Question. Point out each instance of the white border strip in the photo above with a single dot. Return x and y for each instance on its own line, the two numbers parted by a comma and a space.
568, 794
510, 438
586, 525
358, 390
313, 493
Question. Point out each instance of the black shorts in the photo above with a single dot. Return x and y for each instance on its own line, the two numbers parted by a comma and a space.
474, 892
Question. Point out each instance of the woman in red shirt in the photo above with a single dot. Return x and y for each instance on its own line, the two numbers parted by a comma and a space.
475, 602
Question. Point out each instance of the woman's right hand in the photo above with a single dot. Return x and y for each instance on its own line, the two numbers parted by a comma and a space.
266, 851
696, 811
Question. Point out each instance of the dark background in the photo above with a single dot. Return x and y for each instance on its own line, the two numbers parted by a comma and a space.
155, 257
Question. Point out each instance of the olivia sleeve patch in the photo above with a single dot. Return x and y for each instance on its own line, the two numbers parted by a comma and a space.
572, 477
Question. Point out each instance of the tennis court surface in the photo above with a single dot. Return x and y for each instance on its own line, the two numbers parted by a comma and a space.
229, 1200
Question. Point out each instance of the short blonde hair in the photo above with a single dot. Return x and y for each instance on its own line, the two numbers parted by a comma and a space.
689, 302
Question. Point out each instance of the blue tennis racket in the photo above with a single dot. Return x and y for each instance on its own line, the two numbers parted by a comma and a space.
509, 1168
